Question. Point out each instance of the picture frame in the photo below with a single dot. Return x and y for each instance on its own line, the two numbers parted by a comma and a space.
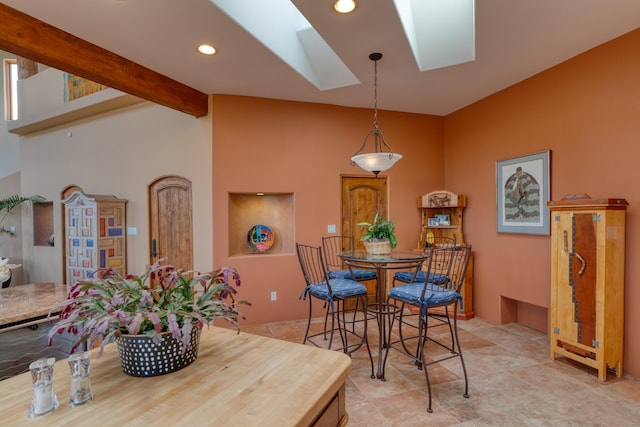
443, 219
432, 222
522, 192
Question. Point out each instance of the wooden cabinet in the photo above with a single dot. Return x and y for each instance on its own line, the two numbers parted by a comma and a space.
434, 208
587, 282
95, 235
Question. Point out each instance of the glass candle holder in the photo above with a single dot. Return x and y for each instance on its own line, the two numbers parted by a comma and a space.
80, 381
43, 399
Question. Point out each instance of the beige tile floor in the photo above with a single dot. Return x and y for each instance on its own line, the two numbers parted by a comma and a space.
512, 382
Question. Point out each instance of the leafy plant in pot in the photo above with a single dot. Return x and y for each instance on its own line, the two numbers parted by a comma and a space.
7, 206
379, 237
163, 307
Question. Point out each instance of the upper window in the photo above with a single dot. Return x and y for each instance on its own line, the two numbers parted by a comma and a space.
11, 89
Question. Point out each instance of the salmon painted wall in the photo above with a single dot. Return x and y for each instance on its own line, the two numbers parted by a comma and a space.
271, 146
586, 111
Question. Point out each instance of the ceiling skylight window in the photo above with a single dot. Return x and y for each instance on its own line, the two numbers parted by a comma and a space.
280, 26
441, 33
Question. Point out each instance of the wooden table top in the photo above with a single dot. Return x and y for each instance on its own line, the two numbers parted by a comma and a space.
27, 302
237, 380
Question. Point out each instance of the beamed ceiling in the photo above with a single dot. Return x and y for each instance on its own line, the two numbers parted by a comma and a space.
148, 48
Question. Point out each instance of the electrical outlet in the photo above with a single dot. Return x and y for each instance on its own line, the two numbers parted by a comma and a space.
274, 296
331, 228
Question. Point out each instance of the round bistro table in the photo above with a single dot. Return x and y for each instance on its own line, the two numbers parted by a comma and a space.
383, 311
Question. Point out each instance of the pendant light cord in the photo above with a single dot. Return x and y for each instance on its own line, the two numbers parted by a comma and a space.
375, 94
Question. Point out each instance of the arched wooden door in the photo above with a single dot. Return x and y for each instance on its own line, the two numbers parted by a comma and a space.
362, 197
171, 221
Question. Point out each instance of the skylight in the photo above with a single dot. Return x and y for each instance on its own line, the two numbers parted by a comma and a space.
440, 32
292, 38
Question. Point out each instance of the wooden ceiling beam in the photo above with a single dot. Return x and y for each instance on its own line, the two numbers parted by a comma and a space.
25, 36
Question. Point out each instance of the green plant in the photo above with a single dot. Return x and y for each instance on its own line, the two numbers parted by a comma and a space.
379, 229
162, 299
7, 206
10, 203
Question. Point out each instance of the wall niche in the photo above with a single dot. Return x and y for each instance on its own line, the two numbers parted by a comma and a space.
43, 225
274, 210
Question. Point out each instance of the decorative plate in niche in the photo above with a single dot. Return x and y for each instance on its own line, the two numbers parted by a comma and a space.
260, 238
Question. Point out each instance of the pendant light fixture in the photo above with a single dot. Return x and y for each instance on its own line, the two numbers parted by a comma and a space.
379, 160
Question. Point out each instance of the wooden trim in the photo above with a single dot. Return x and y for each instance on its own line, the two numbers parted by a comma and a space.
8, 108
31, 38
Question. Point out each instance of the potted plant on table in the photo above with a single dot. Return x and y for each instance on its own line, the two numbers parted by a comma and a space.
164, 307
379, 237
7, 205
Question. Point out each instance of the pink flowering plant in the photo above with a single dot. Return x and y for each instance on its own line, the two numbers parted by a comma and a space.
160, 300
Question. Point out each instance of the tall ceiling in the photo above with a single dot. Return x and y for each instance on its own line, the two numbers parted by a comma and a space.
515, 39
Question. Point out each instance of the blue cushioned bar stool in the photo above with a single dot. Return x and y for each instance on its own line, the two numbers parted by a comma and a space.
449, 262
332, 246
419, 275
334, 292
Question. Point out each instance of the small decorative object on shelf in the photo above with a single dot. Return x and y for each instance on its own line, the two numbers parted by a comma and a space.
443, 220
161, 300
80, 381
260, 238
44, 399
379, 237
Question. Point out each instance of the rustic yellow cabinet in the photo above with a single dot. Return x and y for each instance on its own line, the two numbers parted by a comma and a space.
587, 282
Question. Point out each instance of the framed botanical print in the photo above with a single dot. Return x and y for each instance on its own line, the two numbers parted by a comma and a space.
522, 192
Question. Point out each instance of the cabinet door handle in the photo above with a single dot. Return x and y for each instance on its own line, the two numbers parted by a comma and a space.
577, 255
154, 253
584, 263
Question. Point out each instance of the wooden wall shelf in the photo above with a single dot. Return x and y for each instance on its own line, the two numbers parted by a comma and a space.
447, 203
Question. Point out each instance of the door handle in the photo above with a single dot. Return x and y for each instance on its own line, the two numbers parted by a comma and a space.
154, 252
584, 263
576, 254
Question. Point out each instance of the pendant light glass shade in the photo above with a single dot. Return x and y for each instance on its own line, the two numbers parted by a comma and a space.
378, 160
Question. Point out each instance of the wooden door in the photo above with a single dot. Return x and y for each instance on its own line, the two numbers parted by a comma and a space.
171, 221
362, 197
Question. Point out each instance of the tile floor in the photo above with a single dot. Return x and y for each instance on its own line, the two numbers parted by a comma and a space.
512, 382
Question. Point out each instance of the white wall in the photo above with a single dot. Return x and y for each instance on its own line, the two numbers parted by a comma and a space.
118, 153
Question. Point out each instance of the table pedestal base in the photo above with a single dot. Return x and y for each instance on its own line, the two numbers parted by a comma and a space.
384, 314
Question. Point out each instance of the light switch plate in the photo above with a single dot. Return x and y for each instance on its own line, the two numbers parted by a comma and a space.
331, 228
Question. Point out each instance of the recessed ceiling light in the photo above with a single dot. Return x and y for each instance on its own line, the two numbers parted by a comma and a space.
344, 6
206, 49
